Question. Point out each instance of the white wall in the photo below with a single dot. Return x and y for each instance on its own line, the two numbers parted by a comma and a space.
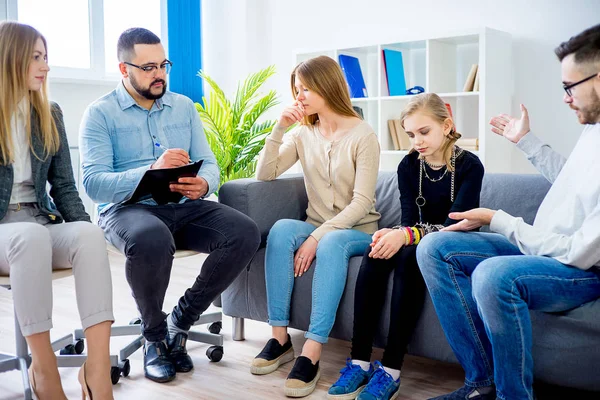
241, 37
73, 98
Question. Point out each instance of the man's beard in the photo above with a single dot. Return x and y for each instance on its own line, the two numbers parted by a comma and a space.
146, 92
591, 113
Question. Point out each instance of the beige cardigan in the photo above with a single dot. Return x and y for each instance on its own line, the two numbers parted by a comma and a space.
340, 176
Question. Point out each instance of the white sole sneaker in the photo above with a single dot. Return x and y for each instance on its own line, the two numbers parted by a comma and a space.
347, 396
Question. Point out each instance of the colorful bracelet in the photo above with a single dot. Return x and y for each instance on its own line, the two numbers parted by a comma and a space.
406, 236
411, 235
417, 235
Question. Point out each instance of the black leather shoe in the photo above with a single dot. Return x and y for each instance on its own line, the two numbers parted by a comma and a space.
178, 354
157, 365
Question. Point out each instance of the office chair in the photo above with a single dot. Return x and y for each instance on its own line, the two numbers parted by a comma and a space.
214, 352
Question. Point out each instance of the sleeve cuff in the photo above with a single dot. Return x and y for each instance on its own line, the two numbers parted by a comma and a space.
530, 144
320, 232
277, 133
502, 223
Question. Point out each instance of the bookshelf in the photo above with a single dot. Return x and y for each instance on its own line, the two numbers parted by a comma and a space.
439, 64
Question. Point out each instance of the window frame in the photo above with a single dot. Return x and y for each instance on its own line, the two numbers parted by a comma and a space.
97, 72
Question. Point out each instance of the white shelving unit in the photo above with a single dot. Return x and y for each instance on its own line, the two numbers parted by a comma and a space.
439, 64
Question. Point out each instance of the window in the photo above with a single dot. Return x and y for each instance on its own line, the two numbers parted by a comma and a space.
68, 44
120, 15
82, 43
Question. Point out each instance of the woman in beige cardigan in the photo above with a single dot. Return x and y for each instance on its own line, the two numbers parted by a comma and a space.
339, 154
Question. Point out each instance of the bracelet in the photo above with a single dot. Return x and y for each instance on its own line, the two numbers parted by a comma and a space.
411, 235
406, 236
417, 235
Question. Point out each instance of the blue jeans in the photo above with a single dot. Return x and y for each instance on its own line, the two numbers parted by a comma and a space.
329, 279
482, 288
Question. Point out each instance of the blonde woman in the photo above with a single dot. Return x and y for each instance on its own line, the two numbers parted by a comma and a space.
435, 178
339, 154
33, 240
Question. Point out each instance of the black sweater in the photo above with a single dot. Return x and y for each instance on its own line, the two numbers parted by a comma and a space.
467, 188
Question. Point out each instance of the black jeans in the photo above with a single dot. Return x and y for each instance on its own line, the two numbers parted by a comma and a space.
148, 236
407, 302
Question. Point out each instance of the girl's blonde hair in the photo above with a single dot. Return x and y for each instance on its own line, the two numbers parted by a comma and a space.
17, 44
435, 107
324, 76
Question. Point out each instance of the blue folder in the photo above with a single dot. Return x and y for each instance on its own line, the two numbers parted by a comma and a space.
395, 72
354, 76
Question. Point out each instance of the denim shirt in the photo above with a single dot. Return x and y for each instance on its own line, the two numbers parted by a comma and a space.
117, 143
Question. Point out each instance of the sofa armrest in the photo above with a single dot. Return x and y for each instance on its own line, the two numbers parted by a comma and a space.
267, 202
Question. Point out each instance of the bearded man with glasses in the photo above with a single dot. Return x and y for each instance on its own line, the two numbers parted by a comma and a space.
483, 285
141, 126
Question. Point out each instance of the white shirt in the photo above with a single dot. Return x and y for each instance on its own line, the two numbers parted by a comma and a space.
23, 190
567, 224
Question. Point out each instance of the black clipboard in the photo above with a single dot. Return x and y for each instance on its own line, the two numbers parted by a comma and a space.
155, 184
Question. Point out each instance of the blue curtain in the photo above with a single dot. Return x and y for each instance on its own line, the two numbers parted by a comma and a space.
185, 47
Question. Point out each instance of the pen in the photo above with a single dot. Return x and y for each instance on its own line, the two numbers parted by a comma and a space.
160, 146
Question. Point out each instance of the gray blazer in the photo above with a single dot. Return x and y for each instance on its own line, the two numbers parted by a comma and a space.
56, 170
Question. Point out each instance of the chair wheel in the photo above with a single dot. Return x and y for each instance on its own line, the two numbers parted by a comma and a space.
135, 321
68, 350
215, 327
214, 353
115, 374
124, 367
79, 346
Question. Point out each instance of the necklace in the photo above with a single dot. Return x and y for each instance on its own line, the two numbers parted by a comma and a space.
434, 166
420, 200
431, 179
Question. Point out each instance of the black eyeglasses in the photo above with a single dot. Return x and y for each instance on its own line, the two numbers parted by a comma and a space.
572, 85
151, 69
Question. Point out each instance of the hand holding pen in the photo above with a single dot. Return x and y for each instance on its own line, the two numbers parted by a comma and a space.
171, 158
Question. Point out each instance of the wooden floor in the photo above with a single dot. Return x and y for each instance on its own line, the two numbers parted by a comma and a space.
228, 379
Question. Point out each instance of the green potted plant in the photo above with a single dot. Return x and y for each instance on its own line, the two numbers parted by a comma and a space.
232, 128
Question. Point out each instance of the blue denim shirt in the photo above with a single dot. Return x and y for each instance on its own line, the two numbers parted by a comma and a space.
117, 143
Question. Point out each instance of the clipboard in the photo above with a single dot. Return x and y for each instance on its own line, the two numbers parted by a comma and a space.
155, 184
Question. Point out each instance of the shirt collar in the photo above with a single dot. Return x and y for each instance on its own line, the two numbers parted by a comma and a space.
126, 100
22, 107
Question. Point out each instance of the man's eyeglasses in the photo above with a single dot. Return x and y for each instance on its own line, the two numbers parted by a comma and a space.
572, 85
151, 69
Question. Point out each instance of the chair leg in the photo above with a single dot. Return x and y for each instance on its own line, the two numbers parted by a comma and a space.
21, 343
25, 376
238, 329
23, 358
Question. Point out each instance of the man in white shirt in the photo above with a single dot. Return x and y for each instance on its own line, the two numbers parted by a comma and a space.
484, 284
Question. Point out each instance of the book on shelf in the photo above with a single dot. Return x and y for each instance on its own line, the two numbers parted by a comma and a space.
468, 143
470, 82
394, 68
359, 111
476, 83
354, 77
403, 139
387, 84
449, 107
392, 129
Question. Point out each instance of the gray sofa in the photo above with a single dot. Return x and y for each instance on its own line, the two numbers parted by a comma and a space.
566, 345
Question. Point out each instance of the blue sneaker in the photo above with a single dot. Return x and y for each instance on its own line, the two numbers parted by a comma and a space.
352, 381
381, 386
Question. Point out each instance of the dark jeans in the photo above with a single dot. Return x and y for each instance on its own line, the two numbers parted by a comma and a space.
148, 236
407, 302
